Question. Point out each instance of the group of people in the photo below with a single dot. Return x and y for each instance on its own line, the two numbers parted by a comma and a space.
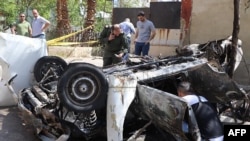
117, 44
117, 41
34, 30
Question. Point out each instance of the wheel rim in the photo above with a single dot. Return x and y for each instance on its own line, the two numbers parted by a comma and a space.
83, 88
57, 68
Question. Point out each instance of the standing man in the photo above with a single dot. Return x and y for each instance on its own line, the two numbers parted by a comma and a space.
208, 121
115, 46
128, 29
145, 32
39, 25
22, 27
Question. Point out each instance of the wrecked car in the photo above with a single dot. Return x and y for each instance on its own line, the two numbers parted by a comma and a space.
126, 101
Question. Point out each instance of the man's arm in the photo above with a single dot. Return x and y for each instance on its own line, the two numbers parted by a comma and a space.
136, 34
104, 36
132, 28
125, 45
46, 25
124, 49
30, 31
153, 33
13, 29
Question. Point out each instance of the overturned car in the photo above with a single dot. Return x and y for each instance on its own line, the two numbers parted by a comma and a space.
127, 101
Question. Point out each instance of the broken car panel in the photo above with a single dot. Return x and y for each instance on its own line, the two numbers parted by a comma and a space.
80, 100
18, 54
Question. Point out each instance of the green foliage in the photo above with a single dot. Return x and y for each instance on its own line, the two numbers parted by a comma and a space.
105, 6
132, 3
12, 8
47, 9
77, 18
9, 9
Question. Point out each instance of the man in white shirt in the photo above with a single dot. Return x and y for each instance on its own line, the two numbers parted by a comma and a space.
128, 29
39, 25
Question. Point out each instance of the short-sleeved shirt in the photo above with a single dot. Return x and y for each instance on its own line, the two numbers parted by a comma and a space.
145, 28
37, 25
22, 28
127, 28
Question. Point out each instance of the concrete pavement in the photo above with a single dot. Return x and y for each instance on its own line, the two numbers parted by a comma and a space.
12, 128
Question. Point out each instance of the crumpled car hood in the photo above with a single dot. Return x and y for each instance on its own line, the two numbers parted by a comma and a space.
18, 55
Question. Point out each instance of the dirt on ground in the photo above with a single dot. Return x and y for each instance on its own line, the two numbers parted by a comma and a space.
12, 128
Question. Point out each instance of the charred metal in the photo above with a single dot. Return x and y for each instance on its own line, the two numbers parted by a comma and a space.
133, 99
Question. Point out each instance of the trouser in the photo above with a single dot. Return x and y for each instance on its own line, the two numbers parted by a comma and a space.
111, 60
141, 48
128, 42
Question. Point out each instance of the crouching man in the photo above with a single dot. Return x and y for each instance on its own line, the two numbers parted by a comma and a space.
206, 115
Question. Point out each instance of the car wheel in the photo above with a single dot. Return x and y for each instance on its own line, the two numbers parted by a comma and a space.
44, 64
83, 87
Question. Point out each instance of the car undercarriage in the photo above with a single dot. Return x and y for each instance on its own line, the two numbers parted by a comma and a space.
131, 100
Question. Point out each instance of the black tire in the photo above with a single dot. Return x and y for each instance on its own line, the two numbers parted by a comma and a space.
45, 63
82, 87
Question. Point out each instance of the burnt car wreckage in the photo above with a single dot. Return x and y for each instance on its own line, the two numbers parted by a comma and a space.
131, 99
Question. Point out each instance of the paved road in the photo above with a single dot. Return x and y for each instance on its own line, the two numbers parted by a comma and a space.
12, 128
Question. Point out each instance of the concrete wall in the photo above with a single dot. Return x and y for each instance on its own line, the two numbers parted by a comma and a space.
164, 43
70, 52
202, 21
213, 19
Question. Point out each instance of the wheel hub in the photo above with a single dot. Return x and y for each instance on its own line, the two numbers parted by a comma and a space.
83, 88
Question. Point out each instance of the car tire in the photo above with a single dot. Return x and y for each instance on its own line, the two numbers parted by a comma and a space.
83, 87
45, 63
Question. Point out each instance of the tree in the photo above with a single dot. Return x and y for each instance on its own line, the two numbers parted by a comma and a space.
12, 8
63, 24
91, 10
8, 9
103, 6
92, 7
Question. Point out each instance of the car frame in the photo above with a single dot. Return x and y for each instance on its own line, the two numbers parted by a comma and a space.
88, 100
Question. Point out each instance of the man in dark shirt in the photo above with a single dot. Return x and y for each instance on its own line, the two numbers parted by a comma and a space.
115, 46
206, 116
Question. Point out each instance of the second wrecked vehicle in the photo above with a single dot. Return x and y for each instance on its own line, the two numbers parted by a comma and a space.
122, 102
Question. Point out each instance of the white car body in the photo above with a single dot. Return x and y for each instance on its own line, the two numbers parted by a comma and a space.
18, 54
